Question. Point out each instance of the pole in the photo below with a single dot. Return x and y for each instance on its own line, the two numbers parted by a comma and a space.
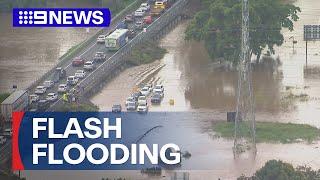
306, 53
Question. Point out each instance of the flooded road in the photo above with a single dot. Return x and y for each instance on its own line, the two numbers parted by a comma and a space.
190, 79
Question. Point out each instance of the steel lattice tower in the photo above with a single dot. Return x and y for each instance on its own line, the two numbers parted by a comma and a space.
244, 134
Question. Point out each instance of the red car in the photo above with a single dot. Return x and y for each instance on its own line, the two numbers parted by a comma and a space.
147, 20
78, 61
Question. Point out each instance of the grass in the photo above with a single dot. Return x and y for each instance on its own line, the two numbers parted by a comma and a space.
146, 53
71, 107
3, 96
271, 132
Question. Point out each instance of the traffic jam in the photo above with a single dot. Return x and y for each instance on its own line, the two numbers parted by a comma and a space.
138, 101
62, 83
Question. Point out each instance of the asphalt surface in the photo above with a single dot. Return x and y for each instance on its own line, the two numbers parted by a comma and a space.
88, 54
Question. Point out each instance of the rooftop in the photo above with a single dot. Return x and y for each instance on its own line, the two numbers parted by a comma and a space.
14, 97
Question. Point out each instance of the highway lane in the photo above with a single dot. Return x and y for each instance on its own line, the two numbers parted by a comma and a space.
88, 54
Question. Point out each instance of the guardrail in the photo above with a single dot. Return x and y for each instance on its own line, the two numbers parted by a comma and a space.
118, 58
85, 43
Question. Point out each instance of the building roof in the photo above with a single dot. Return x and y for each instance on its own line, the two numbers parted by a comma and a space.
14, 97
117, 33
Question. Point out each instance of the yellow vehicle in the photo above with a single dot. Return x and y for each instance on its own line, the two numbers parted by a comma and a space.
160, 4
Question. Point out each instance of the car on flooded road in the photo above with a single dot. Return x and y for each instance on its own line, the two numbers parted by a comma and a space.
131, 106
142, 100
142, 107
156, 98
130, 99
145, 91
116, 108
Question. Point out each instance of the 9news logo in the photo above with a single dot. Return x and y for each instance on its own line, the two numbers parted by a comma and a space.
61, 17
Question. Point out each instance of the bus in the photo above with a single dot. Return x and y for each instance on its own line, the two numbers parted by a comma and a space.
116, 39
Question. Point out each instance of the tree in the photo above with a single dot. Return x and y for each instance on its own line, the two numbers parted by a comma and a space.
278, 170
218, 24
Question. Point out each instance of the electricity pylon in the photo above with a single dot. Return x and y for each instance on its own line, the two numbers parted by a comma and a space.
244, 133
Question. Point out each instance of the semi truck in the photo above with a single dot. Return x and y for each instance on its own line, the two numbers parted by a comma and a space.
17, 101
116, 39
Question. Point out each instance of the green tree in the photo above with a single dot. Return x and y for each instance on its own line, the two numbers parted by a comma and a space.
218, 24
278, 170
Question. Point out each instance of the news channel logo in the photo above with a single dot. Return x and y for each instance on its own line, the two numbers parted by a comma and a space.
61, 17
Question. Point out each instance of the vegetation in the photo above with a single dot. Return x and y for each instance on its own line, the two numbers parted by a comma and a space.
146, 53
218, 24
272, 131
3, 96
9, 176
278, 170
72, 107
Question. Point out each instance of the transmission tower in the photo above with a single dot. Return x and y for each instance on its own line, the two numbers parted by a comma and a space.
244, 134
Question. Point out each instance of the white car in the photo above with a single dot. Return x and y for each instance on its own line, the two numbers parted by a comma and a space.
129, 100
143, 107
142, 100
52, 97
34, 98
89, 66
2, 140
62, 88
145, 6
7, 132
72, 80
80, 74
101, 39
145, 91
131, 106
48, 84
40, 90
158, 89
139, 13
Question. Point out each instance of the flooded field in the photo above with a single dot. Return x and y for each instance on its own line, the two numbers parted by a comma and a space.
27, 53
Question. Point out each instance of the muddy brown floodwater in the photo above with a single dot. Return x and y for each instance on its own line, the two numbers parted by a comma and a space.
189, 77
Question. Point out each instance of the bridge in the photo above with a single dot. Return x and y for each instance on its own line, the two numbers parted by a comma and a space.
115, 61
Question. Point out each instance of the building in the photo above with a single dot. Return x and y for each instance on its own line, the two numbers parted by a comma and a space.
17, 101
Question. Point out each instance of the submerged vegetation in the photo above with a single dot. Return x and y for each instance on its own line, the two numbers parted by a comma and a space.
146, 53
218, 24
272, 132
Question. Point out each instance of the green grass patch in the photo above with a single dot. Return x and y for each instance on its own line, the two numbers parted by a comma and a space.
3, 96
271, 131
146, 53
72, 107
